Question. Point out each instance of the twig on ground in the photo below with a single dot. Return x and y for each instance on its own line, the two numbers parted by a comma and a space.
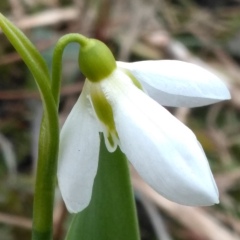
17, 221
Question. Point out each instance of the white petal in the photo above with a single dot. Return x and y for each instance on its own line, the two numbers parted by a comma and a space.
178, 84
78, 156
164, 151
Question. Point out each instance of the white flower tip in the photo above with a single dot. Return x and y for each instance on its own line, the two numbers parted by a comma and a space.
75, 207
227, 95
222, 93
207, 198
195, 198
203, 193
75, 201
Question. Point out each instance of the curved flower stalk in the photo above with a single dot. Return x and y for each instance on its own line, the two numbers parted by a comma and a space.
124, 101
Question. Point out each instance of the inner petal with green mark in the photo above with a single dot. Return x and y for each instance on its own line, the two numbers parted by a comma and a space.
104, 113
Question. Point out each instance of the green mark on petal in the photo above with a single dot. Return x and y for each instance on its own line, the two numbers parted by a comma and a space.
134, 80
104, 113
110, 139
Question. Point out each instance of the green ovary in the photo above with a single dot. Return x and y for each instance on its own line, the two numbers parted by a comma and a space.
96, 61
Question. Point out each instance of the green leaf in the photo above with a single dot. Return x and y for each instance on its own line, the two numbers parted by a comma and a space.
111, 214
26, 49
49, 134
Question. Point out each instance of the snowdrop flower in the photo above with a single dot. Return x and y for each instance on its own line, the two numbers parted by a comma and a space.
124, 101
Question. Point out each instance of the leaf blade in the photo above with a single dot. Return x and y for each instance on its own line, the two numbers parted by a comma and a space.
111, 213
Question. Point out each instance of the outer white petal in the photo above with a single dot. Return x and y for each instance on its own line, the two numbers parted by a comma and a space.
163, 150
178, 84
78, 156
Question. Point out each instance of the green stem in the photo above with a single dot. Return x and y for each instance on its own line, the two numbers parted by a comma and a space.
48, 149
45, 180
49, 135
57, 60
47, 166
